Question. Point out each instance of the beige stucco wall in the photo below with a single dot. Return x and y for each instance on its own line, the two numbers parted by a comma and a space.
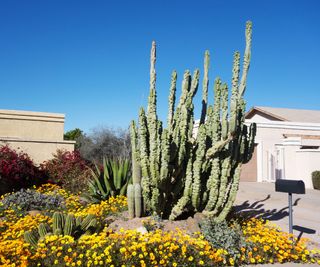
311, 163
39, 134
282, 157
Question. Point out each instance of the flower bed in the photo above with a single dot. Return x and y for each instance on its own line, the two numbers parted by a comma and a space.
264, 243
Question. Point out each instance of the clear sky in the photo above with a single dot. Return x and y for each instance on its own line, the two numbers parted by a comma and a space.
90, 59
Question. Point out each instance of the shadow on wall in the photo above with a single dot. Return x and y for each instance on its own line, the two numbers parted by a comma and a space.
256, 210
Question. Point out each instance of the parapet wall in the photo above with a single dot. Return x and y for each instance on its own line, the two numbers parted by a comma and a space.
39, 134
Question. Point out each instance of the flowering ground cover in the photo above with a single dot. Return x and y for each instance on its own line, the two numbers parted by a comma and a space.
264, 243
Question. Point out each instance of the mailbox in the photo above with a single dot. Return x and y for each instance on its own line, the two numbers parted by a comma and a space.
290, 186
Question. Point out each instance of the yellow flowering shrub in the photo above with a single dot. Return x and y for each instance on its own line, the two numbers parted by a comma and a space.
128, 248
13, 250
266, 243
271, 245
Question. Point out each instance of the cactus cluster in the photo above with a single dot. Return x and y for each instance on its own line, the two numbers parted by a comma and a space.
63, 224
183, 172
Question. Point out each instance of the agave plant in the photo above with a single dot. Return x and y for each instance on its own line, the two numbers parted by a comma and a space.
111, 180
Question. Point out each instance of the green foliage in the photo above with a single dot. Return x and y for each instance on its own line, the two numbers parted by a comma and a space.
74, 135
224, 236
63, 224
316, 180
111, 180
183, 172
26, 200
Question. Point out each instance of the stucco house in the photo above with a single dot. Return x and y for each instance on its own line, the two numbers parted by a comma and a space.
39, 134
287, 145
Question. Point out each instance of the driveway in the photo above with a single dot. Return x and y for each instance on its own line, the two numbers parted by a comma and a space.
261, 200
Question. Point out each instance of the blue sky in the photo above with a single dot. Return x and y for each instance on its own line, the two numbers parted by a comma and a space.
90, 59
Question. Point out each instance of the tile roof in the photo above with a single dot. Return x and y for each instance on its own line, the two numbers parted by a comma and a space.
287, 114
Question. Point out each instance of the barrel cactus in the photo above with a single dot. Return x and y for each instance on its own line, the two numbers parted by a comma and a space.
63, 224
182, 172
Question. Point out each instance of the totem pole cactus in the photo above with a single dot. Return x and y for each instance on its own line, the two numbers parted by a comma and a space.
180, 172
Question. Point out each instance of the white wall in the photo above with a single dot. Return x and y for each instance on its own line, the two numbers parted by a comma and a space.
271, 137
309, 161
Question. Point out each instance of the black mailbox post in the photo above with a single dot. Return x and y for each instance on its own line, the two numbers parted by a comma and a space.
290, 187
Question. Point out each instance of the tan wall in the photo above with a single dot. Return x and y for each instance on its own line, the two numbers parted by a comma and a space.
31, 125
40, 151
39, 134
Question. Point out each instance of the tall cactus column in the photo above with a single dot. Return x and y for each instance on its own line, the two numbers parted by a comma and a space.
134, 192
177, 172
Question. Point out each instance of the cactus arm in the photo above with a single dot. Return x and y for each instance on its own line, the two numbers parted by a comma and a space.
246, 60
165, 157
217, 147
136, 169
231, 196
234, 95
172, 99
216, 125
224, 108
152, 101
178, 209
200, 155
205, 85
213, 184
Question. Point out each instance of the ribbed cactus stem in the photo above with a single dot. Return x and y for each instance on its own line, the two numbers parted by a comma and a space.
136, 169
196, 187
31, 238
234, 93
246, 59
130, 199
224, 108
172, 99
70, 224
138, 208
86, 222
58, 221
205, 85
42, 230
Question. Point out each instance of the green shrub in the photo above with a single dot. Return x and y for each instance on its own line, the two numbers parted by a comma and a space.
316, 180
224, 236
111, 179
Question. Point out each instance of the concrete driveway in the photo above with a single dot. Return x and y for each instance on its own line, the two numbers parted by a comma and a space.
261, 200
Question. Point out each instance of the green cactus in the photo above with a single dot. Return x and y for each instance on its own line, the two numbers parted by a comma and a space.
63, 224
137, 200
70, 224
180, 171
57, 222
31, 238
85, 224
42, 230
130, 199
